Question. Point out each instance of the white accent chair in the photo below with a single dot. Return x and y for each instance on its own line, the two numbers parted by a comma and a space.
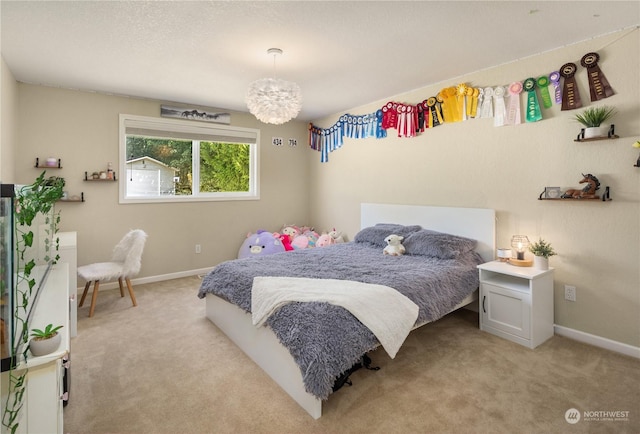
125, 263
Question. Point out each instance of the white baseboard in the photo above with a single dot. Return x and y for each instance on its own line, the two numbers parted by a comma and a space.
151, 279
598, 341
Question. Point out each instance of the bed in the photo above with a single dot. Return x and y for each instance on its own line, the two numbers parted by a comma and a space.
305, 345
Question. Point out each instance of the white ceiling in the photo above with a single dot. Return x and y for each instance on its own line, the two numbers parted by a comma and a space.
343, 54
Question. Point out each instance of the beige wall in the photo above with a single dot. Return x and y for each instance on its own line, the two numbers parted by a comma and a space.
81, 128
8, 110
474, 164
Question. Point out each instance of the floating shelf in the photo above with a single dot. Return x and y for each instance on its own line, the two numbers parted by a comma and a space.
87, 178
606, 197
58, 165
81, 199
610, 136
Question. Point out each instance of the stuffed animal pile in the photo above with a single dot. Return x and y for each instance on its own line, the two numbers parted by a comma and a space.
290, 237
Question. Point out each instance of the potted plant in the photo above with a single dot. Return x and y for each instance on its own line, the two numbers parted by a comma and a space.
592, 119
541, 250
45, 341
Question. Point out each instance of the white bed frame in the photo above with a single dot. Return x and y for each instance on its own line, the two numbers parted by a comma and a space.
262, 345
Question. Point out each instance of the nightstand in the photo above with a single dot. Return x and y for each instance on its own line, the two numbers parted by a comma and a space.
516, 303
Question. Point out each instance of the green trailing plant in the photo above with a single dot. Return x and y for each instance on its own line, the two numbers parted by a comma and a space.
542, 248
48, 332
30, 200
595, 116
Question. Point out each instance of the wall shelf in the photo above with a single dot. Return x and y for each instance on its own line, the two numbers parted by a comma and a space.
72, 199
606, 197
58, 165
610, 136
91, 179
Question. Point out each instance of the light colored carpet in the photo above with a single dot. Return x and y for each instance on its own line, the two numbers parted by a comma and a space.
162, 367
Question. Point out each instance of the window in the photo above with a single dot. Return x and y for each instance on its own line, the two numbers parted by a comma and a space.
171, 160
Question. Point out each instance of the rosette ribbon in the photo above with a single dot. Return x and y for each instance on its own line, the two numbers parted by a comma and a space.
554, 77
513, 112
570, 93
487, 103
434, 115
543, 85
533, 108
500, 110
599, 87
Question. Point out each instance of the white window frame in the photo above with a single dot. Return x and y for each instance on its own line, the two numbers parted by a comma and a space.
212, 132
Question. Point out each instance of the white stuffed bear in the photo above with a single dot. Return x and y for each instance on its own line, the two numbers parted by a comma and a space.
394, 245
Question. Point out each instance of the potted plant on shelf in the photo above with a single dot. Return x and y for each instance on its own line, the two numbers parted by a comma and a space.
45, 341
592, 118
541, 250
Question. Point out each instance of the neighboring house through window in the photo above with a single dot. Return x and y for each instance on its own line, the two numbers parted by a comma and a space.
172, 160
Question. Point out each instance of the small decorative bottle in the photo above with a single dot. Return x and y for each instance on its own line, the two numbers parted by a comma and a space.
109, 170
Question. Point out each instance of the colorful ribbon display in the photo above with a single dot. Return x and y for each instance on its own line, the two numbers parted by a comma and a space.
463, 102
598, 85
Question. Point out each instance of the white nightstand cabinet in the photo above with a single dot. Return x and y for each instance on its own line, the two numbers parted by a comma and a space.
516, 303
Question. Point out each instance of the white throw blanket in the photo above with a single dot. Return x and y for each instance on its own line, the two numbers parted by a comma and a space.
386, 312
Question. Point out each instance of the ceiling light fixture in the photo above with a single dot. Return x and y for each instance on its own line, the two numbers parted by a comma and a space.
272, 100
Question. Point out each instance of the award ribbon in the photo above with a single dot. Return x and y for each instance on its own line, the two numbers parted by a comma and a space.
380, 132
474, 102
598, 84
479, 103
570, 93
513, 112
461, 100
543, 84
435, 113
487, 106
557, 90
533, 108
500, 110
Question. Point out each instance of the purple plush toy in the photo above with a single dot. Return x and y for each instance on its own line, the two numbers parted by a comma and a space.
260, 243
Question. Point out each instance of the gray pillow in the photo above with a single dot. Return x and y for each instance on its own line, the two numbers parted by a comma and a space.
376, 234
437, 244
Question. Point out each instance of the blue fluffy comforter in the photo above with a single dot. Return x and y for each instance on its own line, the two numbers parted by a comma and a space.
325, 340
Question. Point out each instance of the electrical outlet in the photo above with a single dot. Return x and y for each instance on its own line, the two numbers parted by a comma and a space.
569, 292
198, 248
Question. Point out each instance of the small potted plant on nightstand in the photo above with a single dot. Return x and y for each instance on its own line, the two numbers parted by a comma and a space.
592, 118
45, 341
541, 250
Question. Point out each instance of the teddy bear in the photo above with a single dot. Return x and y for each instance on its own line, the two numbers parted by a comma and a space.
394, 245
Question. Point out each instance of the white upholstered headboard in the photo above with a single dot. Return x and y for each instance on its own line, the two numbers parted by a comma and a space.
476, 223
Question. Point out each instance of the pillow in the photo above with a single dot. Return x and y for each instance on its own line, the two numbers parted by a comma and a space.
437, 244
376, 234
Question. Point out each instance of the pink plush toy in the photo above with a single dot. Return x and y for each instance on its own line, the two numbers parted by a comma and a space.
286, 241
324, 240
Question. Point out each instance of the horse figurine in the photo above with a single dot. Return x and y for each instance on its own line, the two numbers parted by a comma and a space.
587, 192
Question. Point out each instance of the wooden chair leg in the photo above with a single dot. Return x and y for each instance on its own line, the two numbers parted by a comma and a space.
84, 294
121, 287
94, 297
131, 294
